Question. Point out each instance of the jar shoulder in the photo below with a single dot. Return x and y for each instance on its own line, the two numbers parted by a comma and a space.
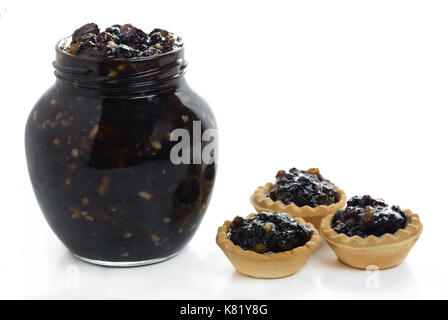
65, 117
61, 101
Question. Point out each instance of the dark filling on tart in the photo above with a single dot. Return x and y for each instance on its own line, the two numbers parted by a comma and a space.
365, 216
269, 232
303, 188
121, 41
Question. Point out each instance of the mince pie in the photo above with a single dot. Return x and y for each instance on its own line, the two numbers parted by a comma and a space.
268, 244
300, 193
369, 232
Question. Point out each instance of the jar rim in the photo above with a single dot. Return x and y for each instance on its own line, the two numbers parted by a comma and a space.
59, 49
138, 74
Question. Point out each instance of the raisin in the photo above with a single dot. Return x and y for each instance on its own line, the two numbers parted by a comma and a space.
156, 37
115, 29
135, 38
162, 32
124, 51
89, 29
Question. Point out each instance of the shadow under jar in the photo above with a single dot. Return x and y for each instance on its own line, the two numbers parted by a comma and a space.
98, 150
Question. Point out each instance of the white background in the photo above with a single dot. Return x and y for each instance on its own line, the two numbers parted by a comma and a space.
356, 88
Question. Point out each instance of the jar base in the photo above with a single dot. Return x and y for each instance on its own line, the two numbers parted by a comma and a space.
125, 264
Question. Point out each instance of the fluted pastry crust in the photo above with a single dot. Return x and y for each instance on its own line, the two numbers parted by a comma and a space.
267, 266
384, 252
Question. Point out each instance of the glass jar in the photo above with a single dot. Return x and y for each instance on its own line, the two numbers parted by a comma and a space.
105, 164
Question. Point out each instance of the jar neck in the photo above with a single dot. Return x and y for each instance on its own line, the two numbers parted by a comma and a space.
143, 75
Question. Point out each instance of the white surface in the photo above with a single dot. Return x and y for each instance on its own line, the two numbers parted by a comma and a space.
356, 88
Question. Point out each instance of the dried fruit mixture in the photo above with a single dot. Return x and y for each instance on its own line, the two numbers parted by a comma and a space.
269, 232
121, 41
365, 216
